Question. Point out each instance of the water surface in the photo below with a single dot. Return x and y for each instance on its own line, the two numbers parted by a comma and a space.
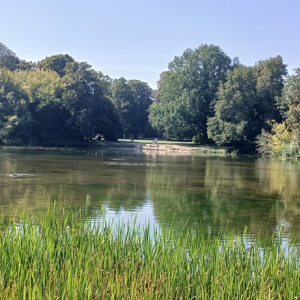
172, 190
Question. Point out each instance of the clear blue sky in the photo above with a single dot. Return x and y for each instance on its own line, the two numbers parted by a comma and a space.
137, 39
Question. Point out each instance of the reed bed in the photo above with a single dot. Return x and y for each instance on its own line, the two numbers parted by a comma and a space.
61, 255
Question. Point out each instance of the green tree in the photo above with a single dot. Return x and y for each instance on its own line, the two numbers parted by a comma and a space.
46, 92
39, 107
132, 99
105, 82
92, 112
247, 102
290, 106
56, 63
270, 76
24, 65
143, 98
187, 92
122, 98
167, 116
35, 111
231, 123
16, 122
8, 58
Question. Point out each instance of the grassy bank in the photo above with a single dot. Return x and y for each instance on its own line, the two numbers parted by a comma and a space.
169, 146
59, 256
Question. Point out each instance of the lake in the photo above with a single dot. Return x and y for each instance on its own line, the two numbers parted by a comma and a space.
166, 189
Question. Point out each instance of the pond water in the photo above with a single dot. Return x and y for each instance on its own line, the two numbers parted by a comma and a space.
165, 189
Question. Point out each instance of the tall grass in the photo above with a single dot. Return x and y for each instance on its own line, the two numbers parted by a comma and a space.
60, 255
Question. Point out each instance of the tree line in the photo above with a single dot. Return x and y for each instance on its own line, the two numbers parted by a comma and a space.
204, 96
210, 98
59, 101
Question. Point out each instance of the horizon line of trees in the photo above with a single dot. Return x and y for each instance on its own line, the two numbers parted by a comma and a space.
59, 101
204, 96
207, 97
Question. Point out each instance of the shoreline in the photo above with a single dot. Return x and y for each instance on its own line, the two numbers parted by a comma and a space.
159, 147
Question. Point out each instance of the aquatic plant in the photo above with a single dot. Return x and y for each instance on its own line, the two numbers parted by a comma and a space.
63, 255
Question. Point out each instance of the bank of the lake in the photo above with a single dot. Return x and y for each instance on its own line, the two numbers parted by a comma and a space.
165, 146
146, 145
61, 255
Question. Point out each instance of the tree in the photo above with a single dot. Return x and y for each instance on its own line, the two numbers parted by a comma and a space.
46, 92
92, 112
132, 99
24, 65
143, 98
187, 91
16, 121
167, 116
270, 75
247, 102
35, 111
105, 82
56, 63
8, 58
122, 98
235, 109
289, 105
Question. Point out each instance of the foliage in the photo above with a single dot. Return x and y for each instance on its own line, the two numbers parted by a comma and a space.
56, 63
143, 98
290, 101
284, 138
277, 143
8, 58
92, 113
203, 96
247, 102
39, 107
132, 99
234, 108
187, 91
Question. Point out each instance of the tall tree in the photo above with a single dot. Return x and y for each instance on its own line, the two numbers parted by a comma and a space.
235, 116
187, 92
122, 98
290, 104
143, 98
168, 111
132, 99
16, 121
92, 112
8, 59
56, 63
247, 102
45, 91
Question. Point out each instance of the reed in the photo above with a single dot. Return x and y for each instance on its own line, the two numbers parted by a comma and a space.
61, 255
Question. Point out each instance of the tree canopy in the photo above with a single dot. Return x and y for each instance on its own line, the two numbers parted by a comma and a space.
60, 101
204, 96
247, 102
187, 91
43, 106
132, 99
8, 59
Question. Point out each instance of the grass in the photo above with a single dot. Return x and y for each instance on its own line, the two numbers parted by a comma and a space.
61, 255
162, 142
179, 146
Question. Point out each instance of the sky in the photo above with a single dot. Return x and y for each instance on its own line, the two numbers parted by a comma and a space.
136, 39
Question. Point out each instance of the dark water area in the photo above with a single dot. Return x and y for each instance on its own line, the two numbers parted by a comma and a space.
171, 190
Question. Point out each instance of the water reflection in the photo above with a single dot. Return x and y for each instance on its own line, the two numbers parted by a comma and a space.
168, 190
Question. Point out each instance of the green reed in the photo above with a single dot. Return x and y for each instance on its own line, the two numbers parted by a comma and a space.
60, 255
